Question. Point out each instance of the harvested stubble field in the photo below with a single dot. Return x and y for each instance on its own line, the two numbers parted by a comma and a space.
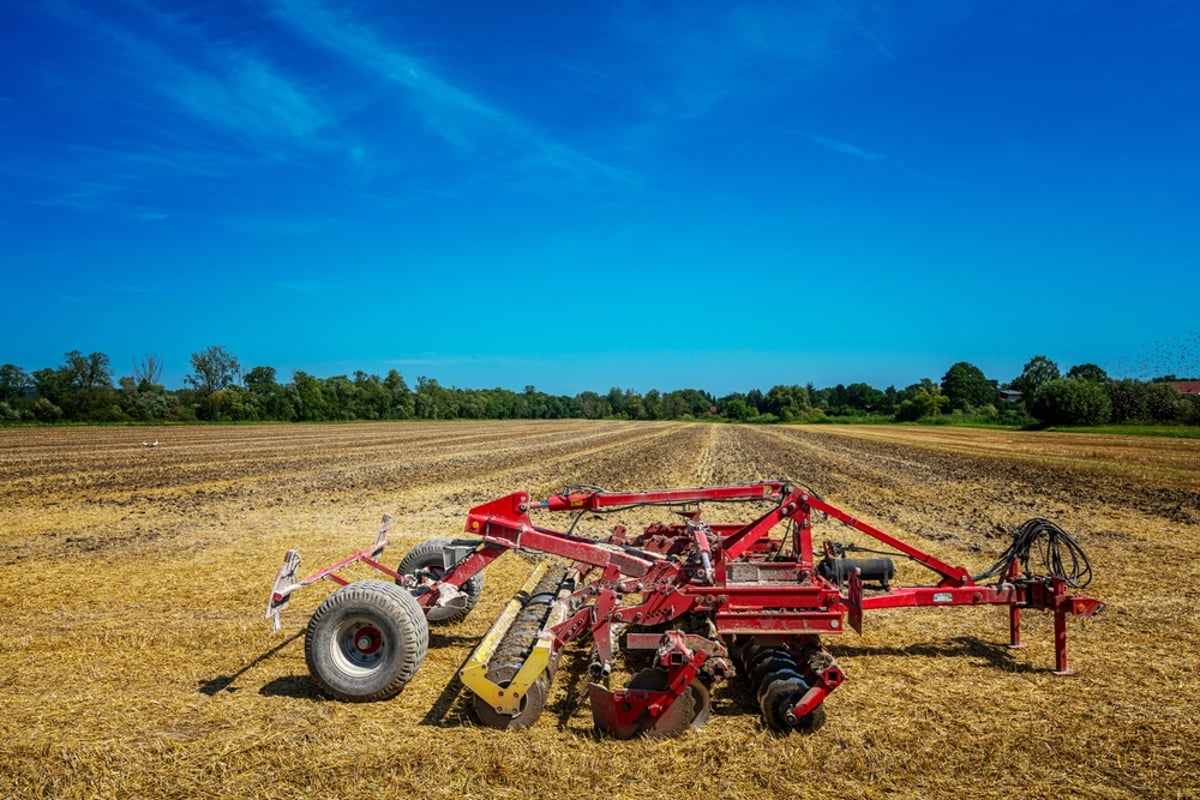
137, 663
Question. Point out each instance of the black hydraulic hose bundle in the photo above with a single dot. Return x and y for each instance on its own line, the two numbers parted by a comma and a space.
1061, 556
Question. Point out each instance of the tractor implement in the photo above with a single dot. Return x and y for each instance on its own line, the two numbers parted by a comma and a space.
676, 610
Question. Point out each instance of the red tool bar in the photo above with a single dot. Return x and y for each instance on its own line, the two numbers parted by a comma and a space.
911, 597
592, 501
955, 575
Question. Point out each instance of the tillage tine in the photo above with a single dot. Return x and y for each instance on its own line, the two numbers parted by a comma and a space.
285, 584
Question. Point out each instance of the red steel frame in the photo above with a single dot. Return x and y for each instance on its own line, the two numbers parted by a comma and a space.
803, 606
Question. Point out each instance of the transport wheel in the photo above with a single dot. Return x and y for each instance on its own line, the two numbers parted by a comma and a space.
532, 703
427, 556
366, 641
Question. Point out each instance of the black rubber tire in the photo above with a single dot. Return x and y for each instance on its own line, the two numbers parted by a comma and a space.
366, 641
428, 556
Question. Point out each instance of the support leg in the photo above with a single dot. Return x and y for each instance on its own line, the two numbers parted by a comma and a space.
1014, 629
1060, 645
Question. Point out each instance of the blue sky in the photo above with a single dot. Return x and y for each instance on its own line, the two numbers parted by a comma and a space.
582, 195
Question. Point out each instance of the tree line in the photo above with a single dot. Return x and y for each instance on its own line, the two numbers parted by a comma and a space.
83, 389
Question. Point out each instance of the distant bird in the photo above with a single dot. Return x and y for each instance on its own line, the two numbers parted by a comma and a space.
150, 444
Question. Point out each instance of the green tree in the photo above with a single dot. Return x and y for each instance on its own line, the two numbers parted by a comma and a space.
145, 401
233, 404
820, 398
82, 388
652, 403
634, 407
673, 406
374, 399
589, 402
401, 398
270, 398
533, 403
342, 398
213, 369
616, 403
431, 400
16, 387
1037, 371
307, 397
1088, 372
891, 399
967, 388
921, 400
735, 407
788, 402
862, 397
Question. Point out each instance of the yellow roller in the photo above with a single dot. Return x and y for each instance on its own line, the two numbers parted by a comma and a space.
507, 699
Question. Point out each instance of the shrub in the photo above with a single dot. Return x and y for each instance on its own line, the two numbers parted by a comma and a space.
1128, 400
1070, 401
1191, 409
1162, 402
43, 410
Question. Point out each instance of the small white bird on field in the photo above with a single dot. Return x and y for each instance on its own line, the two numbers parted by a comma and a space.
150, 444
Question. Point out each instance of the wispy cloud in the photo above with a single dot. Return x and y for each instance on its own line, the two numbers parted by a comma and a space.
449, 112
845, 148
247, 96
107, 199
229, 89
865, 32
707, 55
286, 225
303, 287
166, 98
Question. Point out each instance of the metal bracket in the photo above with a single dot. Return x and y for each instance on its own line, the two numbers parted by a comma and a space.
285, 584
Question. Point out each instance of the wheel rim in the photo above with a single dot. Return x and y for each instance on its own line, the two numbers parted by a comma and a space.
359, 646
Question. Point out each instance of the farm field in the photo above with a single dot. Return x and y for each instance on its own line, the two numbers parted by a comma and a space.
136, 661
